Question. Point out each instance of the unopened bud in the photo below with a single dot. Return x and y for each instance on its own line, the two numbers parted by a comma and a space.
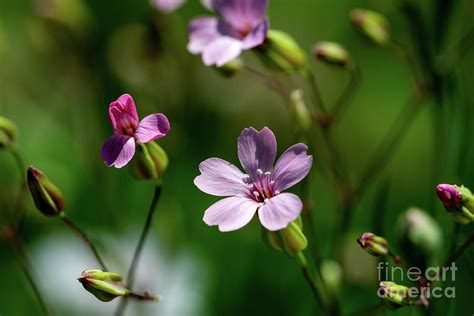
104, 285
231, 69
300, 111
290, 239
372, 24
457, 200
280, 52
419, 236
47, 197
331, 53
7, 132
150, 161
395, 295
331, 273
373, 244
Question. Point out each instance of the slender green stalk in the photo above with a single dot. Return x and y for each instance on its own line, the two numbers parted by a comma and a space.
343, 101
85, 238
20, 202
25, 265
318, 99
300, 257
138, 250
459, 251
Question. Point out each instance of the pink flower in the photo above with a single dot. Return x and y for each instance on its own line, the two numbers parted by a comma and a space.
258, 190
118, 150
448, 194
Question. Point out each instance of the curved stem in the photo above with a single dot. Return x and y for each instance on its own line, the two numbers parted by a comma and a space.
459, 251
20, 202
27, 270
85, 238
318, 99
139, 248
309, 279
341, 104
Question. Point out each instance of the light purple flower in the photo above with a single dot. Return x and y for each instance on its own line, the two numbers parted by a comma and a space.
260, 189
243, 26
118, 150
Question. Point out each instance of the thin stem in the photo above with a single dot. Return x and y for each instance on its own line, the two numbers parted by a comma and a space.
343, 101
309, 279
319, 104
459, 251
139, 248
20, 202
28, 271
85, 238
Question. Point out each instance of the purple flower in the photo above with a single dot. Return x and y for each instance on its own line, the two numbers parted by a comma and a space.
118, 150
260, 189
243, 26
448, 194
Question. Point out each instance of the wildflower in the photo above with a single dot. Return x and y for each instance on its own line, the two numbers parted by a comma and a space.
47, 197
104, 285
457, 200
118, 150
260, 190
242, 26
372, 244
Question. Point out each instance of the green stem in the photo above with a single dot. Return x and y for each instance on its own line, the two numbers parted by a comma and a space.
459, 251
28, 271
343, 101
20, 202
84, 237
318, 99
301, 259
139, 248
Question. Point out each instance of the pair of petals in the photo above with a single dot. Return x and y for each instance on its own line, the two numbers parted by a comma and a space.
235, 212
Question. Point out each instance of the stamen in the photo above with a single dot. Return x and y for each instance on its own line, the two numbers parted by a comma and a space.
277, 192
256, 194
266, 200
259, 171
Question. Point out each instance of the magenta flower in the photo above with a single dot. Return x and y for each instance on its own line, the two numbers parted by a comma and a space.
118, 150
258, 190
243, 26
448, 194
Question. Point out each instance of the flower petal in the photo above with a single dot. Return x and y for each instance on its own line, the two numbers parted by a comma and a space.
242, 14
221, 178
202, 31
152, 127
118, 150
123, 115
256, 150
257, 36
231, 213
293, 165
221, 51
279, 211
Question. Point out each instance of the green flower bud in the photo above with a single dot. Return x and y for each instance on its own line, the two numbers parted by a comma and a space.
373, 25
231, 69
104, 285
394, 295
281, 53
419, 236
300, 111
150, 161
331, 273
331, 53
47, 197
290, 239
373, 244
7, 132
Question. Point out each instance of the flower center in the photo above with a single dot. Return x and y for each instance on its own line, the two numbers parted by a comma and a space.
262, 187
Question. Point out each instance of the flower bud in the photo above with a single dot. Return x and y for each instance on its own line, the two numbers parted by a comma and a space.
290, 239
331, 53
457, 200
394, 295
104, 285
231, 69
373, 25
7, 132
47, 197
300, 111
419, 236
280, 52
331, 273
373, 244
150, 161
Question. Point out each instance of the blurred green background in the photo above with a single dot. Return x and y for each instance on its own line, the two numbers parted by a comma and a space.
63, 61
